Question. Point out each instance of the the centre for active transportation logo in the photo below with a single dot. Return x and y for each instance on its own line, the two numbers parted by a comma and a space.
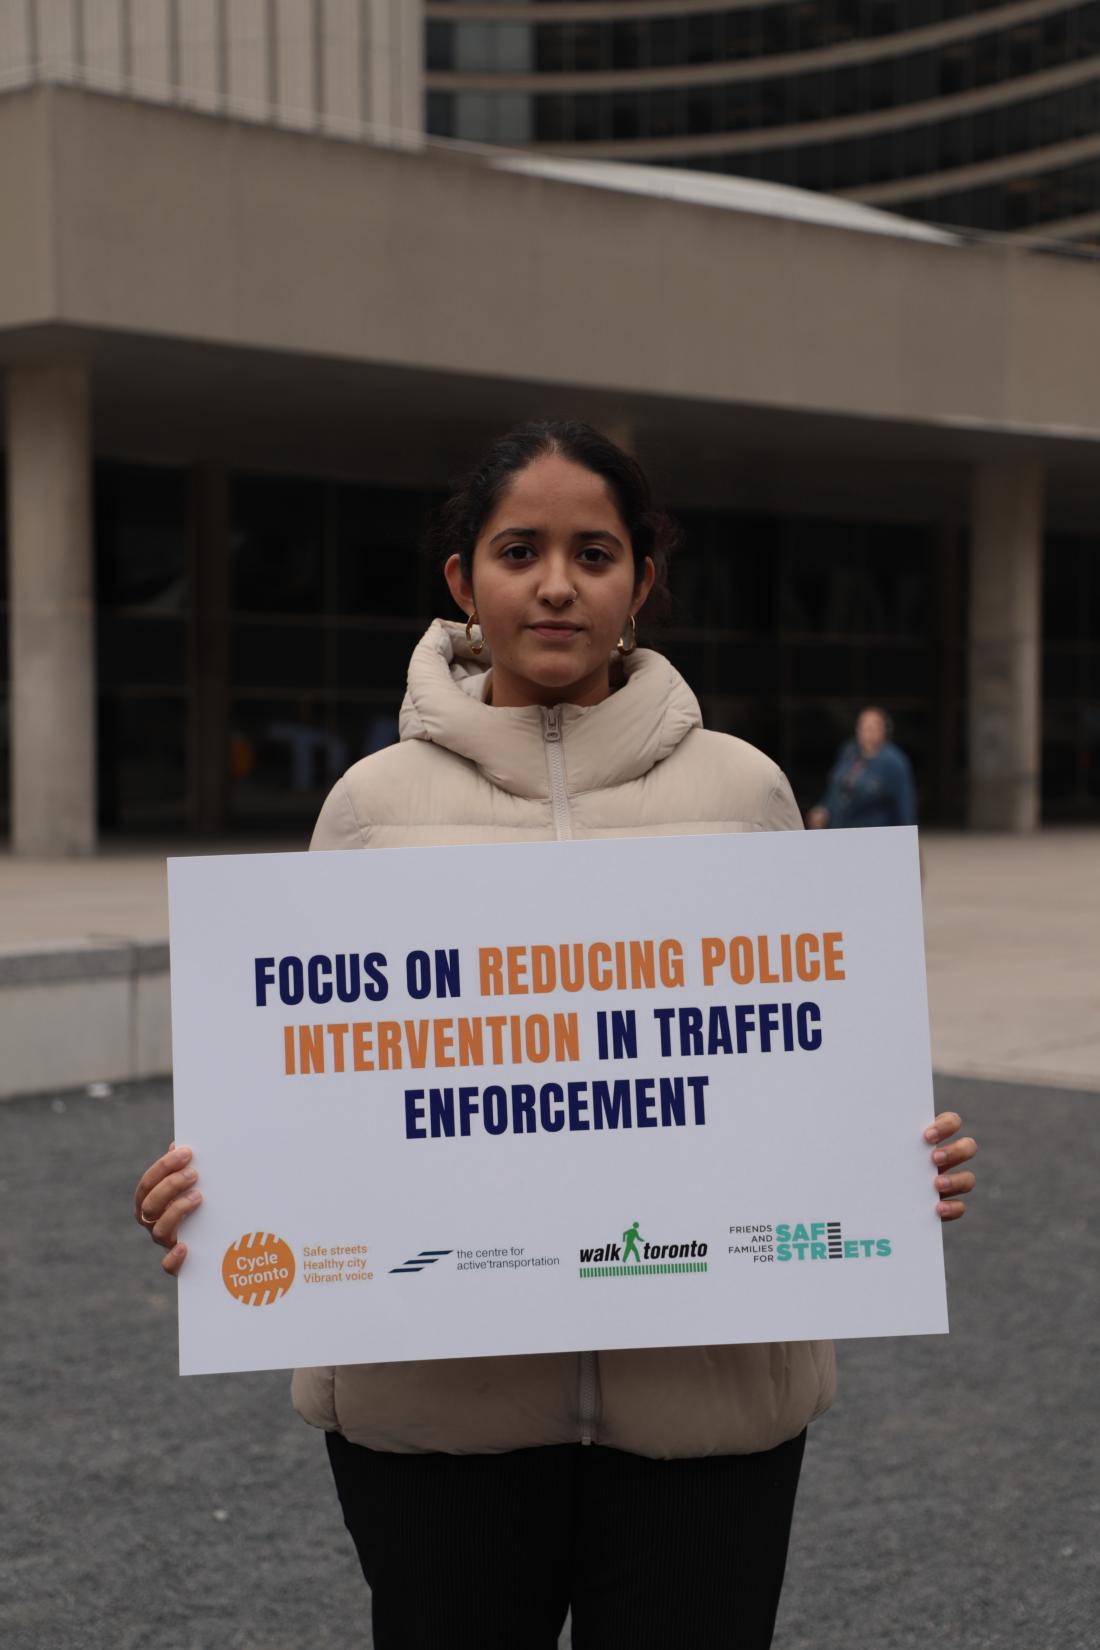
423, 1258
636, 1257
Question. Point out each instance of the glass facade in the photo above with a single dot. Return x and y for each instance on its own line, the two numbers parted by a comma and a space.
1071, 678
995, 64
685, 37
144, 616
784, 626
328, 595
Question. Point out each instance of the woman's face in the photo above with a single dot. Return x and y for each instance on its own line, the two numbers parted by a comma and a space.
553, 584
870, 732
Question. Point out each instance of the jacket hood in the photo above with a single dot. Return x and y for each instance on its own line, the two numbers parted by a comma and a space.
638, 725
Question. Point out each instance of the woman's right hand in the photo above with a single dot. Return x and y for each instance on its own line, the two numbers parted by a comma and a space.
165, 1195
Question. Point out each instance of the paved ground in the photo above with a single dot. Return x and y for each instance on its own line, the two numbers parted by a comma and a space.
952, 1497
1012, 937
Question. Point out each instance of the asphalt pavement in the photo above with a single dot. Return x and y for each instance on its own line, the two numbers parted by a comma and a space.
951, 1497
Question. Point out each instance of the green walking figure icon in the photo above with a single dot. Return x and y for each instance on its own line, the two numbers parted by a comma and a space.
630, 1242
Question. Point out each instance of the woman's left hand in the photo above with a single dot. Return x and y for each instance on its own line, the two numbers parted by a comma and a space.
952, 1186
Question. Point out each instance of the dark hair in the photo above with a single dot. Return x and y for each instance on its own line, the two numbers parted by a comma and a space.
455, 526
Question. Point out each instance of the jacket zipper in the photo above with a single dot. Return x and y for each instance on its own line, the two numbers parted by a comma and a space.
555, 765
588, 1397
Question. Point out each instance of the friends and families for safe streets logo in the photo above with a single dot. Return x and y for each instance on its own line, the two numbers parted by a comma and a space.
636, 1257
802, 1241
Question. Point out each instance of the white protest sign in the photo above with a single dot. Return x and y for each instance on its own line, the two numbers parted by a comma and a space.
553, 1096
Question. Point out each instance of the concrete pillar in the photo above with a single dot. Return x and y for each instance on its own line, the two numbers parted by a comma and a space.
1006, 560
52, 611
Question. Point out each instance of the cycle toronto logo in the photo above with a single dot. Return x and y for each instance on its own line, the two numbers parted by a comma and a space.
636, 1256
258, 1269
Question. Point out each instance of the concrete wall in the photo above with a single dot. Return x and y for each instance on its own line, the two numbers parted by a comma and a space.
321, 65
80, 1014
155, 222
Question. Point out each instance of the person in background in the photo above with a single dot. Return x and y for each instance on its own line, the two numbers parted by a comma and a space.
871, 782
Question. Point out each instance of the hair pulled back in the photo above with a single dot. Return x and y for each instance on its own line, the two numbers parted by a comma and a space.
455, 526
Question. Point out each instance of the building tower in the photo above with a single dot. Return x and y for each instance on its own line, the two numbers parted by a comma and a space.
968, 113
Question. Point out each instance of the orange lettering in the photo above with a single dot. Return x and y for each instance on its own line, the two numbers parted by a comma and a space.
834, 956
805, 950
444, 1036
311, 1048
389, 1046
361, 1046
713, 953
337, 1033
416, 1035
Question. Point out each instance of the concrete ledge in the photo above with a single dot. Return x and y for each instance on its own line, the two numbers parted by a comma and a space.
99, 959
71, 1015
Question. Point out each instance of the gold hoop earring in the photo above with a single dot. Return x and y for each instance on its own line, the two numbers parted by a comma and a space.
625, 646
479, 645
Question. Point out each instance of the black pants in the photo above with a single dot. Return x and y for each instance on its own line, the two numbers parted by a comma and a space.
487, 1552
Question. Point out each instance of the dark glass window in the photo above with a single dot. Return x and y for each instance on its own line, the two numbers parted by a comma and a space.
1071, 676
777, 30
277, 545
5, 716
143, 617
140, 517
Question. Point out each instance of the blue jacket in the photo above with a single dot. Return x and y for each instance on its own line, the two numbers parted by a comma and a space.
875, 791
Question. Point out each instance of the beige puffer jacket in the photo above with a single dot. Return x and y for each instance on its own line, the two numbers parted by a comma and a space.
638, 764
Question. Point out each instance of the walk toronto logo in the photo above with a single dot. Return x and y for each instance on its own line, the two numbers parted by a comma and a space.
636, 1257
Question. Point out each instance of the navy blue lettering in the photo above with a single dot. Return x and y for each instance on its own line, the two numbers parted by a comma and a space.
809, 1026
552, 1121
769, 1022
375, 986
414, 1115
691, 1031
494, 1109
523, 1109
347, 978
611, 1104
265, 976
663, 1017
672, 1101
448, 978
418, 974
441, 1111
467, 1106
319, 973
578, 1105
292, 982
719, 1040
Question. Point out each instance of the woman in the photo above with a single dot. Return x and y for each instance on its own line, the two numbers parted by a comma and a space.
871, 782
478, 1513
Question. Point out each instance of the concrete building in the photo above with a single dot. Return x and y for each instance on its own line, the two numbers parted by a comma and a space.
244, 349
981, 115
